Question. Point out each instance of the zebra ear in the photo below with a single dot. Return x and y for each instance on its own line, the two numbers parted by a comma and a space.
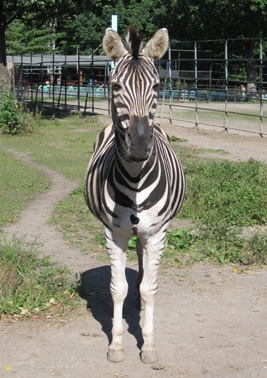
112, 44
158, 44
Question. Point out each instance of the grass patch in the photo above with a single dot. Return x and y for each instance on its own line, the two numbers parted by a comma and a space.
63, 144
29, 285
78, 224
222, 197
233, 193
19, 184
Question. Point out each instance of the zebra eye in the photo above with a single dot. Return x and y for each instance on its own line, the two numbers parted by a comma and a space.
156, 87
116, 87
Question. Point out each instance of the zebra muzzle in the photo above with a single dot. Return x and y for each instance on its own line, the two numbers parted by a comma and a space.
139, 138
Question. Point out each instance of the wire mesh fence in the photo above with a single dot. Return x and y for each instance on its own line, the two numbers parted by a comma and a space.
219, 84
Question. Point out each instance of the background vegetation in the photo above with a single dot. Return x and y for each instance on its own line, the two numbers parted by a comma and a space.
68, 23
222, 197
30, 285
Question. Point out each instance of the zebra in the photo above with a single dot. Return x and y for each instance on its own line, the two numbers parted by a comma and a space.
134, 182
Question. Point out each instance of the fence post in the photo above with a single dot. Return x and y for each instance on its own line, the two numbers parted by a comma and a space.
65, 79
78, 77
93, 83
163, 98
226, 86
196, 83
13, 79
42, 77
109, 88
170, 83
53, 79
210, 82
261, 87
21, 78
31, 81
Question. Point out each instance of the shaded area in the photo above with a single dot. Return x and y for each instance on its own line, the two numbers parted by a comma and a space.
94, 288
47, 111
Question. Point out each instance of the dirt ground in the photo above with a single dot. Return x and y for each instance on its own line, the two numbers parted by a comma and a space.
210, 321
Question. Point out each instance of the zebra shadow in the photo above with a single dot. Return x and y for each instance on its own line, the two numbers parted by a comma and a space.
94, 288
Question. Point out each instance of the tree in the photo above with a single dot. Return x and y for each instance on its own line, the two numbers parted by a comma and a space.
88, 27
24, 39
31, 12
224, 19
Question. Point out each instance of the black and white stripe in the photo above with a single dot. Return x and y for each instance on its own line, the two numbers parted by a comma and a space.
111, 190
134, 183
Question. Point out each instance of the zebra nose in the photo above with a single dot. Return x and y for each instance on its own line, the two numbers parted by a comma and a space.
139, 138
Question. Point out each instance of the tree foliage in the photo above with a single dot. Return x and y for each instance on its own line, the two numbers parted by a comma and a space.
34, 13
35, 24
83, 23
24, 39
212, 19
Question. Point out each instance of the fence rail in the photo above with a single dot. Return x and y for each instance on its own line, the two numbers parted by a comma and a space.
207, 84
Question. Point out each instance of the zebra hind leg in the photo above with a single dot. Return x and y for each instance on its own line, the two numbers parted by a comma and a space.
118, 289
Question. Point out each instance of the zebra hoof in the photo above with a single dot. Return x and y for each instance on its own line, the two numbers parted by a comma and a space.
149, 356
115, 355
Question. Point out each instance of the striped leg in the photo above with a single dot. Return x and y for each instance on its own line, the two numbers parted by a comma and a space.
139, 251
148, 289
118, 286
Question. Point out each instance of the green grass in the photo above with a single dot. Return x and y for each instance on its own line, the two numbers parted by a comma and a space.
78, 225
19, 184
30, 285
222, 197
63, 144
234, 192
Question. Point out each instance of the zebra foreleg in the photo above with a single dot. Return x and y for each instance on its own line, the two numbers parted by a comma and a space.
139, 251
148, 290
118, 288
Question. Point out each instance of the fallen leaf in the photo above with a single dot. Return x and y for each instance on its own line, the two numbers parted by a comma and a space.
9, 368
24, 311
237, 271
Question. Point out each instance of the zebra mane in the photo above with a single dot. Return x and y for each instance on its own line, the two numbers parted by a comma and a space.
134, 42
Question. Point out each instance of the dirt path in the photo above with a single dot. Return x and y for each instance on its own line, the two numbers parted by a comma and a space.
209, 320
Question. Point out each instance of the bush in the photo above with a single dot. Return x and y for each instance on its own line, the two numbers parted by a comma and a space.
9, 115
15, 118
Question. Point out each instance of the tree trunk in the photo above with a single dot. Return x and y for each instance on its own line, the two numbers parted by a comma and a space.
251, 71
2, 45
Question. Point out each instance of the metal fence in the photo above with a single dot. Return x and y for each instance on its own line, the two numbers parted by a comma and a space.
217, 85
220, 85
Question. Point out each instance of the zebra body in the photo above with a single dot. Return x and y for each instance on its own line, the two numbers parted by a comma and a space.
141, 205
134, 183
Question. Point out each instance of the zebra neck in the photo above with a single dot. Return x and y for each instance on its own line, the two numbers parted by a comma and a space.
133, 170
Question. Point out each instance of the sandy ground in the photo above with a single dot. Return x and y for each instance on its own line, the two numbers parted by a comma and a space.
209, 320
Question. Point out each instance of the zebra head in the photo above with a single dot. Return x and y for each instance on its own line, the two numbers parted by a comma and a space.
135, 80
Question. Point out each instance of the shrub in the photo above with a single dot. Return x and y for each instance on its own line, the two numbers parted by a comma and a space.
9, 115
16, 118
